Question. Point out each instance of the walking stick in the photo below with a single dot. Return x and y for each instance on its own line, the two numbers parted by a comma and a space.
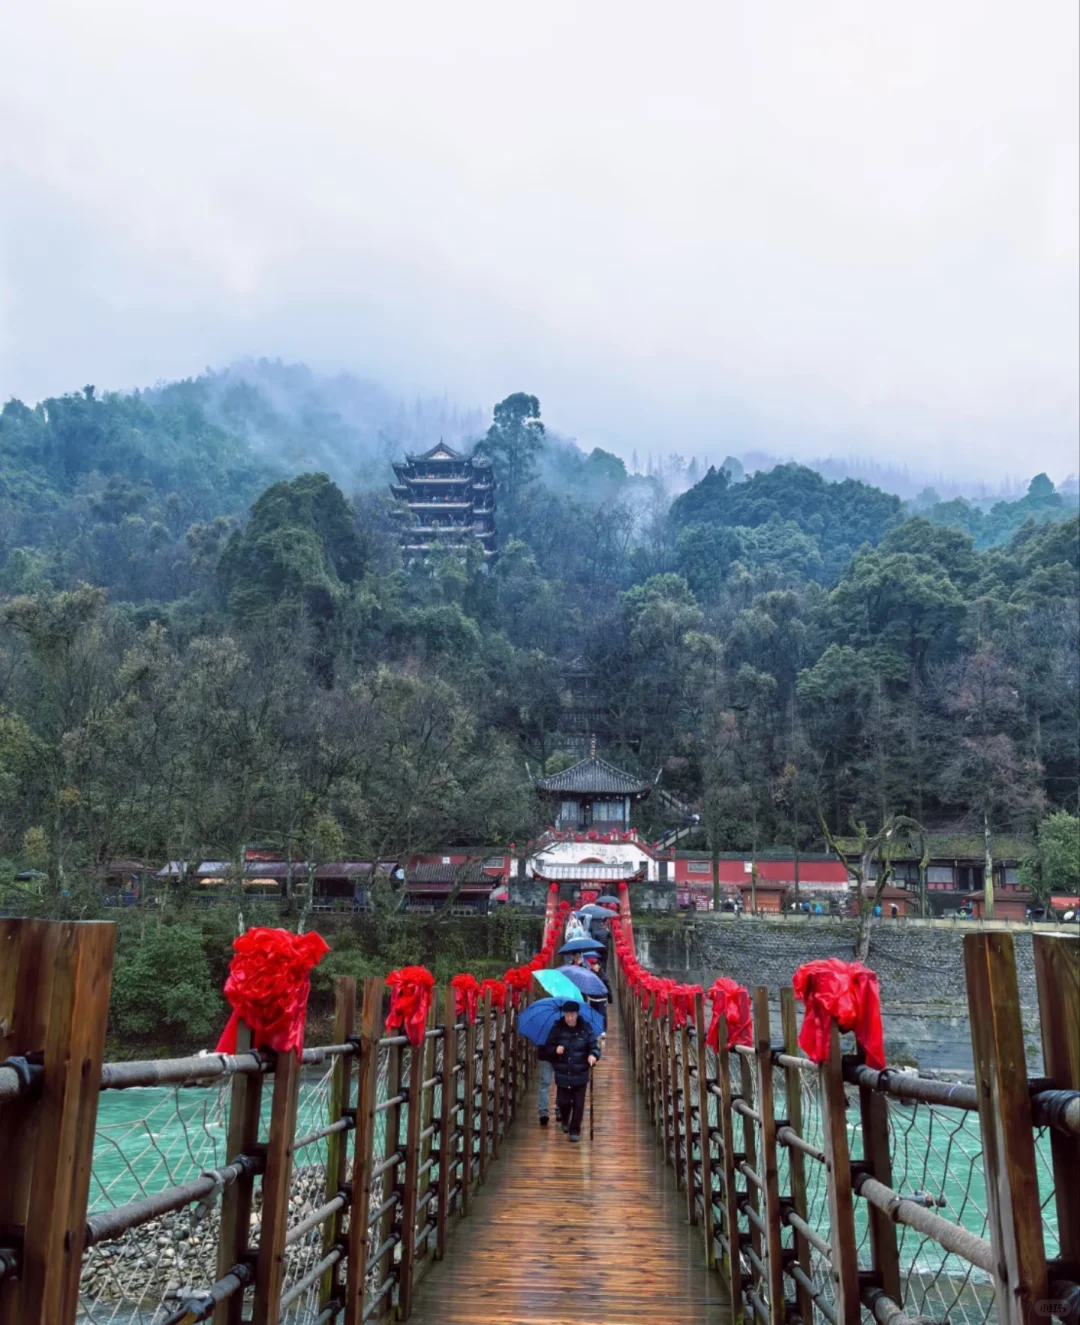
590, 1104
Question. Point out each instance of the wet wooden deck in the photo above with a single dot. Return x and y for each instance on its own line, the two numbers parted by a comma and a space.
589, 1234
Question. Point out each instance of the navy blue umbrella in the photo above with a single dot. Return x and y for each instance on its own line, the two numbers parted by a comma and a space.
585, 980
581, 945
608, 900
536, 1021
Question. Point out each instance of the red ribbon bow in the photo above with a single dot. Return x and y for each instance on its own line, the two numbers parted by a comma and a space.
730, 1001
847, 992
410, 1001
268, 986
497, 990
466, 989
682, 1002
517, 980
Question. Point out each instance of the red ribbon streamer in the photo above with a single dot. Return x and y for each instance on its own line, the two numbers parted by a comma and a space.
497, 990
730, 1001
466, 989
268, 985
848, 993
410, 1001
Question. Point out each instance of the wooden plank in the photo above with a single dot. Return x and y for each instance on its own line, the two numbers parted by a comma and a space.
838, 1183
689, 1130
704, 1097
796, 1159
413, 1124
447, 1120
242, 1138
276, 1187
732, 1262
337, 1147
767, 1168
360, 1239
27, 964
1057, 975
1012, 1186
67, 1114
587, 1234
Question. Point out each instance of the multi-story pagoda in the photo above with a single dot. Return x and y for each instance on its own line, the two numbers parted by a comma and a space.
450, 500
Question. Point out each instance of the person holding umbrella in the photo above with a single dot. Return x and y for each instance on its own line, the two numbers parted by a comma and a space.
572, 1048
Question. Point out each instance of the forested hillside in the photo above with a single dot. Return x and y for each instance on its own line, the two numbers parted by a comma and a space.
202, 646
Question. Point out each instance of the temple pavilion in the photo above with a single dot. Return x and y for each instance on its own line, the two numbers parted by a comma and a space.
592, 795
450, 499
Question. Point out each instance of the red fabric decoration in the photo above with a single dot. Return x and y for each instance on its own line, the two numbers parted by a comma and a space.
517, 980
682, 1002
268, 985
622, 885
730, 1001
466, 989
497, 990
847, 992
410, 1001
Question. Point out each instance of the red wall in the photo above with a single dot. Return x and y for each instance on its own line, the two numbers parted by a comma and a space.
783, 871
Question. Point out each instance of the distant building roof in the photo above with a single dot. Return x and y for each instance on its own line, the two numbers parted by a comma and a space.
597, 870
420, 874
595, 777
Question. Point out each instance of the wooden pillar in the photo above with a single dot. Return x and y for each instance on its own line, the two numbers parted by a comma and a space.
447, 1119
838, 1182
276, 1188
392, 1144
750, 1149
360, 1239
1012, 1185
877, 1160
668, 1133
1057, 974
54, 999
337, 1148
245, 1105
703, 1097
497, 1015
796, 1159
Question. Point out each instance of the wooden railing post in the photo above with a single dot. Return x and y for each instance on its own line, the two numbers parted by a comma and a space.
509, 1057
1012, 1185
276, 1188
749, 1151
767, 1168
668, 1112
60, 1011
486, 1110
391, 1222
447, 1119
703, 1097
413, 1127
496, 1083
877, 1161
337, 1147
245, 1106
688, 1125
468, 1115
427, 1132
845, 1263
360, 1248
796, 1160
733, 1263
1057, 975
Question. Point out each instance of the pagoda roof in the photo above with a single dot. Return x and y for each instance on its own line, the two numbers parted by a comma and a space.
595, 777
440, 451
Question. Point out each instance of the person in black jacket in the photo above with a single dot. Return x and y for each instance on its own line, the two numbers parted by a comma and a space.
572, 1048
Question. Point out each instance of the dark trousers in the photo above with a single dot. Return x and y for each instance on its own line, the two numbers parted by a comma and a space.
570, 1101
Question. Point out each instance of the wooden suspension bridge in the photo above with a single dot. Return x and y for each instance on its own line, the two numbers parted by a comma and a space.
370, 1180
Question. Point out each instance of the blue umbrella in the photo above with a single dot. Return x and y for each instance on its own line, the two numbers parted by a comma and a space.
556, 984
586, 982
595, 912
536, 1021
611, 901
581, 945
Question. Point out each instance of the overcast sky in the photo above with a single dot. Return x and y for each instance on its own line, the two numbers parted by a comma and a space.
708, 226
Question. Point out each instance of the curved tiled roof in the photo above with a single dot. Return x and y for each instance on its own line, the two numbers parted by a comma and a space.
595, 777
